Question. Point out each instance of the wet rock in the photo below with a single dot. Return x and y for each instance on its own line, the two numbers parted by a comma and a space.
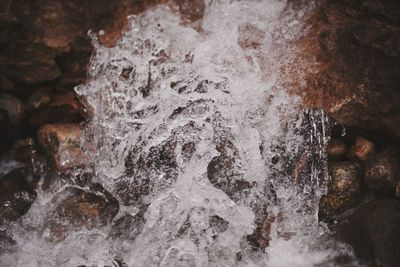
382, 172
25, 151
261, 236
128, 226
218, 224
373, 230
348, 53
223, 172
64, 108
17, 193
150, 172
38, 99
74, 63
362, 149
32, 64
6, 85
344, 190
7, 244
336, 149
263, 232
74, 209
7, 128
192, 10
61, 143
13, 106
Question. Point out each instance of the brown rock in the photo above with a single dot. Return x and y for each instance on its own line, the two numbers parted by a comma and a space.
263, 232
64, 108
191, 10
17, 193
11, 117
75, 209
128, 226
13, 106
38, 99
7, 244
25, 151
362, 149
61, 142
344, 190
30, 63
336, 149
398, 190
6, 85
349, 56
382, 172
373, 230
222, 175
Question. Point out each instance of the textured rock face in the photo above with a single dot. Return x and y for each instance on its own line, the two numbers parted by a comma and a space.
352, 52
374, 232
344, 190
362, 150
336, 149
47, 40
61, 142
77, 209
17, 193
383, 173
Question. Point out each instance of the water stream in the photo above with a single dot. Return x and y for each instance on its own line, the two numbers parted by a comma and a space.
197, 131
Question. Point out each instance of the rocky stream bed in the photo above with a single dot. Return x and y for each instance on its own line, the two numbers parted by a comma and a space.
199, 133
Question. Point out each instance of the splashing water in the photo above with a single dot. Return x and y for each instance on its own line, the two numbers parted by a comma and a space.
196, 130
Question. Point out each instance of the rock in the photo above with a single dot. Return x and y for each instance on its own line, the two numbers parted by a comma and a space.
128, 227
263, 232
398, 190
38, 99
348, 54
13, 106
29, 63
6, 85
64, 108
344, 190
150, 172
362, 149
373, 230
7, 127
7, 244
61, 143
74, 63
74, 209
336, 149
25, 151
382, 172
11, 118
17, 193
191, 10
223, 172
218, 224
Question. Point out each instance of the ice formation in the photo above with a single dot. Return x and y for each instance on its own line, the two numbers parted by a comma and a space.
196, 130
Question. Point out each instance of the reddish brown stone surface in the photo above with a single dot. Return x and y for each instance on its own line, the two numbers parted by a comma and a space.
61, 143
351, 54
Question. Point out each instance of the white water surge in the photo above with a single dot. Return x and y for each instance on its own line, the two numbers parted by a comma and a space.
196, 130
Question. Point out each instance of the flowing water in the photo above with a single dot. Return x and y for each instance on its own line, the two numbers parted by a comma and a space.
196, 131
